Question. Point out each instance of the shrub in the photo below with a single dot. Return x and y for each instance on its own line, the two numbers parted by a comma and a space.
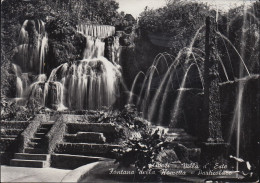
127, 119
11, 111
141, 150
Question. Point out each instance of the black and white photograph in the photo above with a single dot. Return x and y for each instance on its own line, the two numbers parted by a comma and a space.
96, 91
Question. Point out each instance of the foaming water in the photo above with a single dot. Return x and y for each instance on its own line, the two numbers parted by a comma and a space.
87, 84
90, 83
94, 48
33, 46
98, 31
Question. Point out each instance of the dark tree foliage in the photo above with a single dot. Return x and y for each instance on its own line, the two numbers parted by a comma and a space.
244, 33
178, 18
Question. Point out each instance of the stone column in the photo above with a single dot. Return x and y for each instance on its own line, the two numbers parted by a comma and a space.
214, 150
212, 119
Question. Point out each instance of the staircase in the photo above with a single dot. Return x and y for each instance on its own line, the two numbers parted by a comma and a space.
36, 145
31, 160
88, 139
10, 130
33, 155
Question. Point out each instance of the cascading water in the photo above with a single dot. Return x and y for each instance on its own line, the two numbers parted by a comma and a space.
94, 48
19, 83
100, 31
29, 56
87, 84
22, 81
33, 46
90, 83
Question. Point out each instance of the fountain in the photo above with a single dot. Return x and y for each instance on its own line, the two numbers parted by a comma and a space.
90, 83
33, 46
152, 91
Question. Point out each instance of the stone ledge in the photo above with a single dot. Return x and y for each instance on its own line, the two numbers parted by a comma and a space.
91, 127
76, 175
68, 161
104, 150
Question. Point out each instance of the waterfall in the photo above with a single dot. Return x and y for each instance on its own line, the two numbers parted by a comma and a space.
32, 46
22, 81
98, 31
87, 84
30, 56
19, 83
94, 48
90, 83
116, 50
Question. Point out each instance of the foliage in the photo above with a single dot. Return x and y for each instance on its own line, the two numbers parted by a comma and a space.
141, 151
11, 111
127, 117
127, 23
179, 20
243, 32
176, 18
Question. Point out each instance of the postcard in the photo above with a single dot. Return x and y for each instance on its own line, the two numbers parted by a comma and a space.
130, 91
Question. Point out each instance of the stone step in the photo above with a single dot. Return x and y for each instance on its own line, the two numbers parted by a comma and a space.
9, 136
34, 144
14, 124
86, 137
26, 156
43, 130
68, 161
105, 128
7, 139
12, 131
39, 135
37, 140
29, 163
87, 149
46, 125
31, 150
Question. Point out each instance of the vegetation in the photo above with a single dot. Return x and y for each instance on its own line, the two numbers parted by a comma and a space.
141, 150
179, 20
244, 33
177, 17
61, 18
11, 111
